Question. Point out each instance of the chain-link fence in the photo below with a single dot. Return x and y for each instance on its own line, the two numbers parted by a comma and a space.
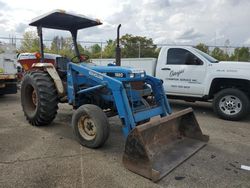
99, 49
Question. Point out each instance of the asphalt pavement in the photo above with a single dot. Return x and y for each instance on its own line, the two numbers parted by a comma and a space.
49, 156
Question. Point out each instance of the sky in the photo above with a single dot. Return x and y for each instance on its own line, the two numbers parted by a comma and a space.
213, 22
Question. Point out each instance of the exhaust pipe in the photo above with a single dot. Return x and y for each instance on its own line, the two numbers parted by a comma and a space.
118, 48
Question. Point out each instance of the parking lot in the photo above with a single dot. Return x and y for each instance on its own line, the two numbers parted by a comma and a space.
49, 156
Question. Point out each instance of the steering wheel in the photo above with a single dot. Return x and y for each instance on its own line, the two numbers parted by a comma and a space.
77, 59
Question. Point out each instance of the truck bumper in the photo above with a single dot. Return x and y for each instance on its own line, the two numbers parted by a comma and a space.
8, 84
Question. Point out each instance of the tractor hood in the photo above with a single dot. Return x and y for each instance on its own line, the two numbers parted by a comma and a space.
119, 72
117, 69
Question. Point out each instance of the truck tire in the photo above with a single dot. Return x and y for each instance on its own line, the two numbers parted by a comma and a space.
231, 104
90, 126
39, 98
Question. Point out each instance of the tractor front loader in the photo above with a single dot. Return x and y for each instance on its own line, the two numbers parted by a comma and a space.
157, 141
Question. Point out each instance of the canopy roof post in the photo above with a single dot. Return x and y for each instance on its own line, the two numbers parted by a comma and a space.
40, 34
74, 38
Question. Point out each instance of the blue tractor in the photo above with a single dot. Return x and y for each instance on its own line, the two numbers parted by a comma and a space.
157, 141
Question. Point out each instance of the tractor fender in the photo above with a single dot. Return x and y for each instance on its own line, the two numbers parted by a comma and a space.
54, 75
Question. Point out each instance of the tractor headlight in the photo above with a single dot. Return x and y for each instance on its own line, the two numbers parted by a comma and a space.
131, 75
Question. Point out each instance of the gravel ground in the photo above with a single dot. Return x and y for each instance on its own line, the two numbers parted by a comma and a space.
50, 157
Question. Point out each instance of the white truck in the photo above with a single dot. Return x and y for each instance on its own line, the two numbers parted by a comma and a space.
8, 69
193, 75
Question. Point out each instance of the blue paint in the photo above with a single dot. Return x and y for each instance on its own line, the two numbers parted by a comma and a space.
113, 85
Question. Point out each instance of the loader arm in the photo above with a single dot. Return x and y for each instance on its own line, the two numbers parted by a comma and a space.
80, 74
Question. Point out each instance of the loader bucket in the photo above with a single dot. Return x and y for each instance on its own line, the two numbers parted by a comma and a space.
155, 148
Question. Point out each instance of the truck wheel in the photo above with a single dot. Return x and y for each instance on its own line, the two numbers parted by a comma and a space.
39, 98
231, 104
90, 125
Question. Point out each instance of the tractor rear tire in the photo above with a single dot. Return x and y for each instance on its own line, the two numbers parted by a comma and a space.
90, 126
39, 98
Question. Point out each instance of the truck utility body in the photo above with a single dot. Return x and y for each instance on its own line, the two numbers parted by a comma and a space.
191, 74
8, 70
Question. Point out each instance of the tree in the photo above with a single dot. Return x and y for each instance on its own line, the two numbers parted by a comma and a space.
137, 46
1, 50
62, 46
241, 54
57, 44
202, 47
109, 49
219, 54
67, 48
30, 42
96, 51
84, 50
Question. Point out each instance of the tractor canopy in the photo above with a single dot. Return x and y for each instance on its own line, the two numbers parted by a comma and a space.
59, 19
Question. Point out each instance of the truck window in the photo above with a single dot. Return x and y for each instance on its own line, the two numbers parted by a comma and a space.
178, 56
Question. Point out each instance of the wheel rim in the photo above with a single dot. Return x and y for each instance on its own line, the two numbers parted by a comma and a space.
31, 99
34, 97
230, 105
87, 128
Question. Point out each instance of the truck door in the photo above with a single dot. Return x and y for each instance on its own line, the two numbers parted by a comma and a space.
183, 73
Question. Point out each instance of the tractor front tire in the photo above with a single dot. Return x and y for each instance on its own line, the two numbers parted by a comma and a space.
90, 126
39, 98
